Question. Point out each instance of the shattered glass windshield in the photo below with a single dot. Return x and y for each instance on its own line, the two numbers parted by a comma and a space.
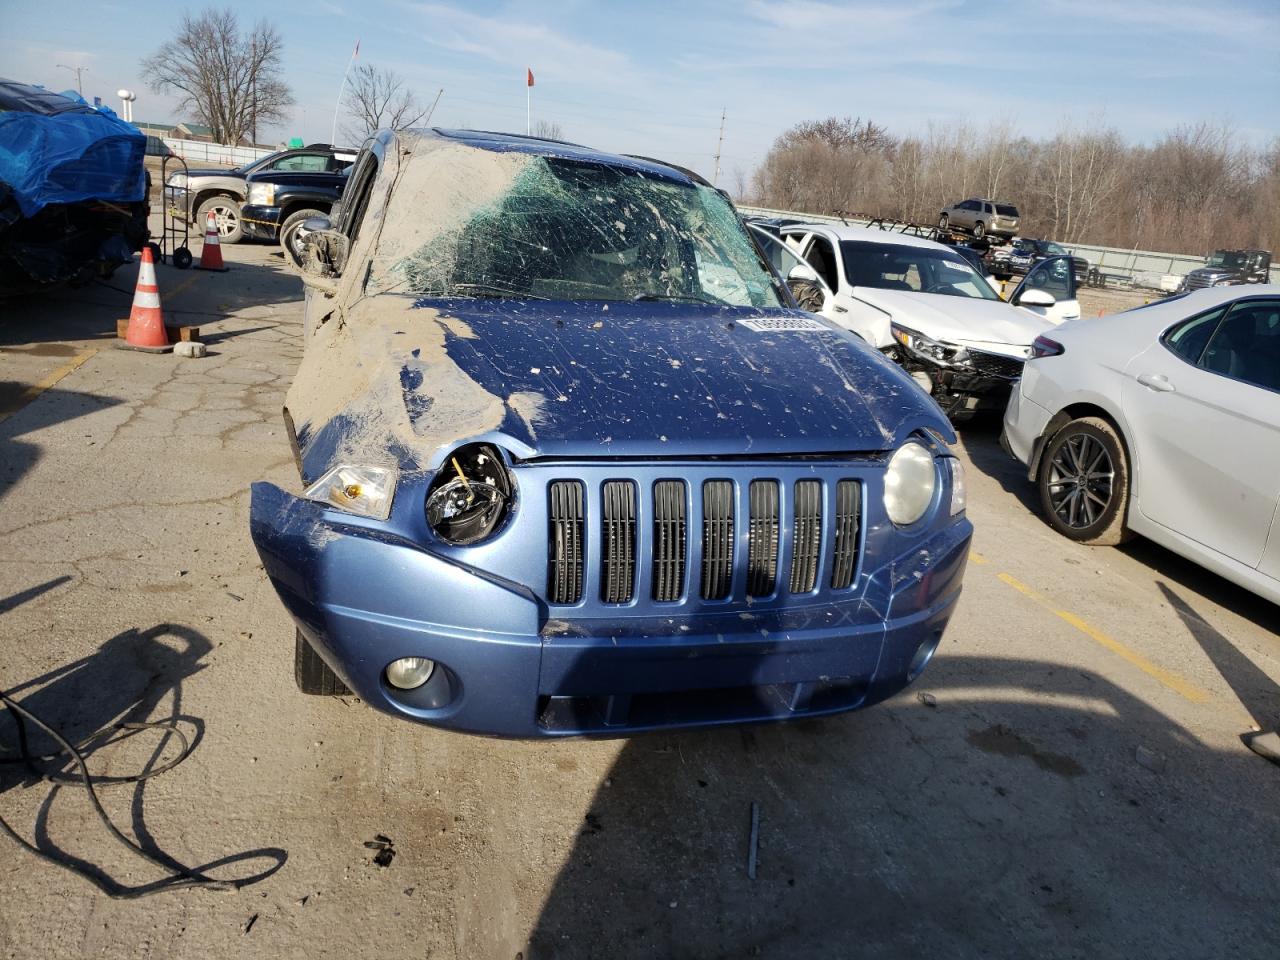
507, 225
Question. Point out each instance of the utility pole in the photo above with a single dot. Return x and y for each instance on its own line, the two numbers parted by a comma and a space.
253, 87
79, 72
719, 146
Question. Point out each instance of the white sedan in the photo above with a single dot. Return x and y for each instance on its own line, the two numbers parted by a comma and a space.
1162, 421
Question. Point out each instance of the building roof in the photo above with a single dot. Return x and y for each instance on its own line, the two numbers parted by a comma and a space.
198, 129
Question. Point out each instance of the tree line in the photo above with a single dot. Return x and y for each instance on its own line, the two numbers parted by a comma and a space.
1195, 188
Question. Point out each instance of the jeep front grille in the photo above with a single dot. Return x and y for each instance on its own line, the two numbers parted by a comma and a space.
748, 539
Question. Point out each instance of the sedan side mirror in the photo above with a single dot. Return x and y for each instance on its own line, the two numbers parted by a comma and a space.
802, 271
1035, 298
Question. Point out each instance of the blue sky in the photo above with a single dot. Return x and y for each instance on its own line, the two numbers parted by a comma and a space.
653, 77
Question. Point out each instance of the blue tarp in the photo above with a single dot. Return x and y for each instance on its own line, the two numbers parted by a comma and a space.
70, 157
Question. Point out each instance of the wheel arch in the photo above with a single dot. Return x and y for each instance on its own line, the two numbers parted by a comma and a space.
294, 204
1076, 411
208, 193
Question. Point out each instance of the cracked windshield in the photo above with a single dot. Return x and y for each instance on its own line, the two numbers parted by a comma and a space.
569, 230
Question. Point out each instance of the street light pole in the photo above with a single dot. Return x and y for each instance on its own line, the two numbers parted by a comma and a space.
79, 72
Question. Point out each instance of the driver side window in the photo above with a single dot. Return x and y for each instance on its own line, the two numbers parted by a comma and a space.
1053, 277
823, 257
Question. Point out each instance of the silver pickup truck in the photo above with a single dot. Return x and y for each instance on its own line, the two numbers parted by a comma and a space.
196, 193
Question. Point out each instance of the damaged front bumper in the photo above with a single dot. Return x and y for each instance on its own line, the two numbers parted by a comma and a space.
364, 596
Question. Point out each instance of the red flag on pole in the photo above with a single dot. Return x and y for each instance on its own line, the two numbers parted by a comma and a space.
530, 77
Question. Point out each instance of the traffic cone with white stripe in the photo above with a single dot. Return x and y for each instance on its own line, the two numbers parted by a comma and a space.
146, 320
211, 252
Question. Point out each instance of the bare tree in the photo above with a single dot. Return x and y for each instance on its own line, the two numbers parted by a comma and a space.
229, 80
377, 99
548, 130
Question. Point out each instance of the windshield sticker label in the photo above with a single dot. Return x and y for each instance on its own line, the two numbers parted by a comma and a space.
782, 325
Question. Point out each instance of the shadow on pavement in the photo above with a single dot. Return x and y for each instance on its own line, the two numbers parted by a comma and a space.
187, 297
1257, 692
129, 679
52, 406
1038, 810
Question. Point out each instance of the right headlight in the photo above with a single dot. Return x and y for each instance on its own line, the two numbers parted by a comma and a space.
262, 194
909, 483
470, 496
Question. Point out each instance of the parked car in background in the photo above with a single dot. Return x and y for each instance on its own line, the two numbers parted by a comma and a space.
925, 305
1228, 268
197, 192
1027, 252
573, 463
280, 202
981, 217
1162, 421
73, 190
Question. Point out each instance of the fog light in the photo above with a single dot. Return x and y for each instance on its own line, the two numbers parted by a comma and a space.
409, 673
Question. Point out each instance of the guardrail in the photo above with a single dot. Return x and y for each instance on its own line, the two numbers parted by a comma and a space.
216, 153
1145, 267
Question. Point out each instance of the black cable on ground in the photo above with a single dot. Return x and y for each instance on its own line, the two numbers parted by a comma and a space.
183, 878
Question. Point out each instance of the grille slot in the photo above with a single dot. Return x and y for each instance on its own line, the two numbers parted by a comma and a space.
669, 533
762, 538
847, 495
618, 572
717, 539
808, 536
565, 578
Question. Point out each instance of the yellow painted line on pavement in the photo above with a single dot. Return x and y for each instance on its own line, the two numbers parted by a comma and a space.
44, 383
978, 558
182, 286
1168, 678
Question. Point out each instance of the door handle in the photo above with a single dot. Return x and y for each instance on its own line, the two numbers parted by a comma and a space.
1156, 381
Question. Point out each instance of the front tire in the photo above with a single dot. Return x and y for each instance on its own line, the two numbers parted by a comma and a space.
292, 234
1084, 482
979, 230
944, 222
226, 214
312, 674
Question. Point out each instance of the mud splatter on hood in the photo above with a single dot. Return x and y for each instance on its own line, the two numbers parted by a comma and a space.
664, 379
402, 382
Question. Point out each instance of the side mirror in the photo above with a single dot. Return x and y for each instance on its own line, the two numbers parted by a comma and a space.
323, 256
1036, 298
802, 271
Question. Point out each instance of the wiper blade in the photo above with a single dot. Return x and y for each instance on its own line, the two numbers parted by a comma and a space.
676, 297
479, 290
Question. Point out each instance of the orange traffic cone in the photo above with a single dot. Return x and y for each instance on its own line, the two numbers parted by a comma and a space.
146, 321
211, 252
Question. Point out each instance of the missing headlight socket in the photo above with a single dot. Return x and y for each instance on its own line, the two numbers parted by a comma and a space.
470, 496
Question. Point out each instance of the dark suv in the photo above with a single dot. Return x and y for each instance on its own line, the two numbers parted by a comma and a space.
192, 195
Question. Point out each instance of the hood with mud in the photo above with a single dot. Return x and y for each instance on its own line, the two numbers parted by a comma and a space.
589, 380
957, 319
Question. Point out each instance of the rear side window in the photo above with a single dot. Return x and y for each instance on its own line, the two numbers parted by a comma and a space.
1189, 338
304, 163
1006, 210
1246, 345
